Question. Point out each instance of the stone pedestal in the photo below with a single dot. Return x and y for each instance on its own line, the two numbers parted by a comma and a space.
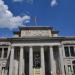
37, 71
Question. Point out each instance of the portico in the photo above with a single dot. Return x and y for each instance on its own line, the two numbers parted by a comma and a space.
33, 58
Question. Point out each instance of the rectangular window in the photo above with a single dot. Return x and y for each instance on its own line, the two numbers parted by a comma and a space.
66, 49
5, 52
72, 51
0, 52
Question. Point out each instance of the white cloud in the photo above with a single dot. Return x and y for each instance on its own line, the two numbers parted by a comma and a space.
53, 3
8, 20
17, 0
27, 1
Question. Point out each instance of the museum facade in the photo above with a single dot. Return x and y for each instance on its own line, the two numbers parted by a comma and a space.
37, 50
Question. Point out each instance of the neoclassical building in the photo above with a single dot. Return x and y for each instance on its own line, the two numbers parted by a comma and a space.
37, 50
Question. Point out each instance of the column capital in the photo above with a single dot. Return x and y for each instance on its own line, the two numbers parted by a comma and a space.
12, 47
42, 46
50, 46
30, 46
21, 46
60, 46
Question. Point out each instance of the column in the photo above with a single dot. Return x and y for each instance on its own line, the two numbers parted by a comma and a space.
42, 61
0, 68
11, 61
16, 67
8, 51
52, 62
30, 61
2, 52
23, 67
6, 72
63, 51
21, 61
61, 60
3, 71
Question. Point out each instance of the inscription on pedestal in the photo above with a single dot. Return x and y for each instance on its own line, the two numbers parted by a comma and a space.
37, 72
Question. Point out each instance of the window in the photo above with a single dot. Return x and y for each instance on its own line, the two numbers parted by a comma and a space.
72, 51
69, 51
0, 52
66, 51
5, 52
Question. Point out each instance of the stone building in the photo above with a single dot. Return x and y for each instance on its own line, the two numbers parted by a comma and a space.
37, 51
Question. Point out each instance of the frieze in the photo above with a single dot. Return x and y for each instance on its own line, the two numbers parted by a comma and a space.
4, 43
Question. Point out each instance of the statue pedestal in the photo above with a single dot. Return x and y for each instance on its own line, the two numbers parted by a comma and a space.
37, 71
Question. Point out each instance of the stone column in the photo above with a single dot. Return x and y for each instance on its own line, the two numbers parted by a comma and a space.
2, 52
61, 60
6, 71
21, 61
23, 67
63, 51
52, 62
8, 51
42, 61
11, 61
2, 71
30, 61
0, 68
15, 67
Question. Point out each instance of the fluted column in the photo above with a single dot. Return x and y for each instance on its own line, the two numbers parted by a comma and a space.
42, 61
9, 48
21, 61
52, 62
30, 61
61, 60
11, 61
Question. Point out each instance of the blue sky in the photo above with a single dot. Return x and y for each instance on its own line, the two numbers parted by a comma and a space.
57, 13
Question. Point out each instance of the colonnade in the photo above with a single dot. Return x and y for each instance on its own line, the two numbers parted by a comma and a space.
52, 61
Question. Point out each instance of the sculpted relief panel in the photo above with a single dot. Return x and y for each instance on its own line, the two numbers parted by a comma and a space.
28, 33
